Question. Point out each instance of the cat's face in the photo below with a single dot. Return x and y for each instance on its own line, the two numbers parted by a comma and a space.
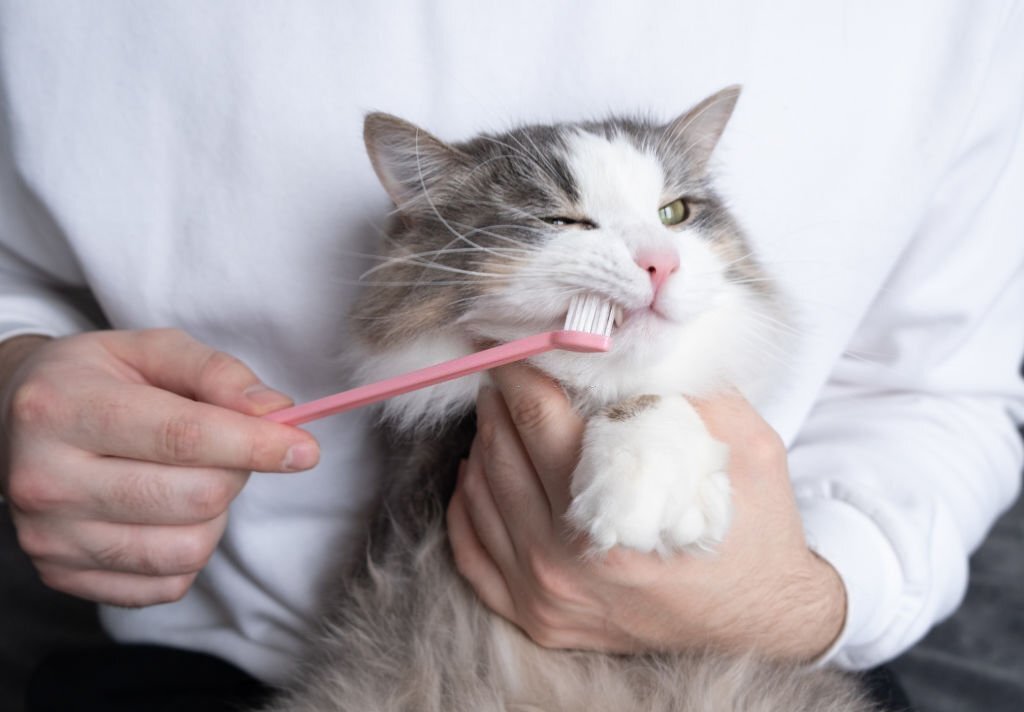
495, 235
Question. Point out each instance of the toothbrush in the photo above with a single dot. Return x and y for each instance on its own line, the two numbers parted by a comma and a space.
587, 329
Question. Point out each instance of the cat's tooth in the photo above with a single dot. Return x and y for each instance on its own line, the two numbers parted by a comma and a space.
617, 316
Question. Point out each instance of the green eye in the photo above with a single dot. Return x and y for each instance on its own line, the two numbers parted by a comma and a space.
675, 212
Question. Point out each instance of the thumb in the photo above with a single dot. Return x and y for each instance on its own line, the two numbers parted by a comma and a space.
174, 361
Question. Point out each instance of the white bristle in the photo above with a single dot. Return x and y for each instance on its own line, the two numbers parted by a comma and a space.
591, 314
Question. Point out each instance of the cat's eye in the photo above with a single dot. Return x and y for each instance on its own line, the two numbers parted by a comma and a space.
561, 221
675, 213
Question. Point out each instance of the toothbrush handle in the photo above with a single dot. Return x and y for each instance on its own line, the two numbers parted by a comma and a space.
517, 350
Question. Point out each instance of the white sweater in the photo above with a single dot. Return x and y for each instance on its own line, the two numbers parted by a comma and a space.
200, 165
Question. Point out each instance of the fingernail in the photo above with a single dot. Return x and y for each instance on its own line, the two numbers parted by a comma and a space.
263, 396
301, 457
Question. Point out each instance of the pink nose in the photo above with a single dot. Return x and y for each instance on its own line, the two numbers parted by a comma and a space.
659, 264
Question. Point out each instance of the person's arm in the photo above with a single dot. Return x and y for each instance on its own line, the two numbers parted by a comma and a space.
913, 450
899, 471
119, 451
38, 269
763, 589
122, 451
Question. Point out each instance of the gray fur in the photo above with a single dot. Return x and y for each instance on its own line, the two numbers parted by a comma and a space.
404, 632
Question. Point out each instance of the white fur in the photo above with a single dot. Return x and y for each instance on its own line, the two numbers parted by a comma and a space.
697, 341
653, 482
425, 407
618, 184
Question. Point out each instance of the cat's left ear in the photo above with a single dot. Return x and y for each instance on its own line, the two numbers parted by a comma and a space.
695, 134
411, 164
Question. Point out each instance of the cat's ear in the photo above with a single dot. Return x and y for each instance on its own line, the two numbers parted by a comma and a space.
410, 163
695, 134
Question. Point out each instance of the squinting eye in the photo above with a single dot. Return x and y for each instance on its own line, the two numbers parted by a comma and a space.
569, 222
675, 212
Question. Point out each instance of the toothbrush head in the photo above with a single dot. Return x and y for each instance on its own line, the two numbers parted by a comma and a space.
588, 324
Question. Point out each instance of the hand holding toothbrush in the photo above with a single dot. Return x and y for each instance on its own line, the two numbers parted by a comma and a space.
122, 452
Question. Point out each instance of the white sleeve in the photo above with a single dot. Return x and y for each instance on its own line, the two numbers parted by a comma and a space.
913, 450
41, 288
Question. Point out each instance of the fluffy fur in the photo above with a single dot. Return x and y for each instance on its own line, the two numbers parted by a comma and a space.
491, 238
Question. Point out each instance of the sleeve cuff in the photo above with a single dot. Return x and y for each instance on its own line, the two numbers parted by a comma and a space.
11, 330
857, 549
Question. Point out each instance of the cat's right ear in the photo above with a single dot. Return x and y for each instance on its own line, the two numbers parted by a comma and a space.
695, 134
410, 163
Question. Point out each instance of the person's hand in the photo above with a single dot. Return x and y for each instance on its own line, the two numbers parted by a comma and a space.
762, 590
122, 451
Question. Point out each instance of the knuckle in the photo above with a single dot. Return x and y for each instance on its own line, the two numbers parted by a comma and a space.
116, 556
474, 484
35, 402
55, 577
138, 493
210, 498
160, 337
537, 626
175, 588
530, 413
180, 440
192, 550
766, 446
32, 493
550, 579
465, 562
619, 565
34, 541
265, 452
217, 367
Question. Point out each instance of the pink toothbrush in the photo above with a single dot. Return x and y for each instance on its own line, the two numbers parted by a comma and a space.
588, 327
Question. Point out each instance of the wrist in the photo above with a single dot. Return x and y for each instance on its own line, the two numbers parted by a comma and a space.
824, 610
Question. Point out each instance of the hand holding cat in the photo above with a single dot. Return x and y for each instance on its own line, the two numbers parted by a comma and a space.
122, 451
763, 588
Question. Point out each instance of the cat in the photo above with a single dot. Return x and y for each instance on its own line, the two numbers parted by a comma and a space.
490, 240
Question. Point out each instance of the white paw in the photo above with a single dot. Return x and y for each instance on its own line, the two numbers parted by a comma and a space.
655, 481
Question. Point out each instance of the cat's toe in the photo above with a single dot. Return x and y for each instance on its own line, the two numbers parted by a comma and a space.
703, 518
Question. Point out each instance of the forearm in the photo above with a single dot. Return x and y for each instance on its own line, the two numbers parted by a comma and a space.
896, 491
808, 615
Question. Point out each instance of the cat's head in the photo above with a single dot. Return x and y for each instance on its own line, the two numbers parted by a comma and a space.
493, 236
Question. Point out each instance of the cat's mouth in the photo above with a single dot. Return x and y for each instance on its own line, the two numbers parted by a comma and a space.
640, 314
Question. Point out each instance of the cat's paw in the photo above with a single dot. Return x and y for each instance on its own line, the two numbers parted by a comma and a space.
651, 478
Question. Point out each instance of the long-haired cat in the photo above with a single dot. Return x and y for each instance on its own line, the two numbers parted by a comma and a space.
491, 239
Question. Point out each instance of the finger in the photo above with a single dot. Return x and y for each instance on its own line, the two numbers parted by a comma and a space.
117, 589
755, 448
724, 412
145, 423
142, 550
134, 492
485, 517
549, 428
513, 482
474, 563
173, 360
